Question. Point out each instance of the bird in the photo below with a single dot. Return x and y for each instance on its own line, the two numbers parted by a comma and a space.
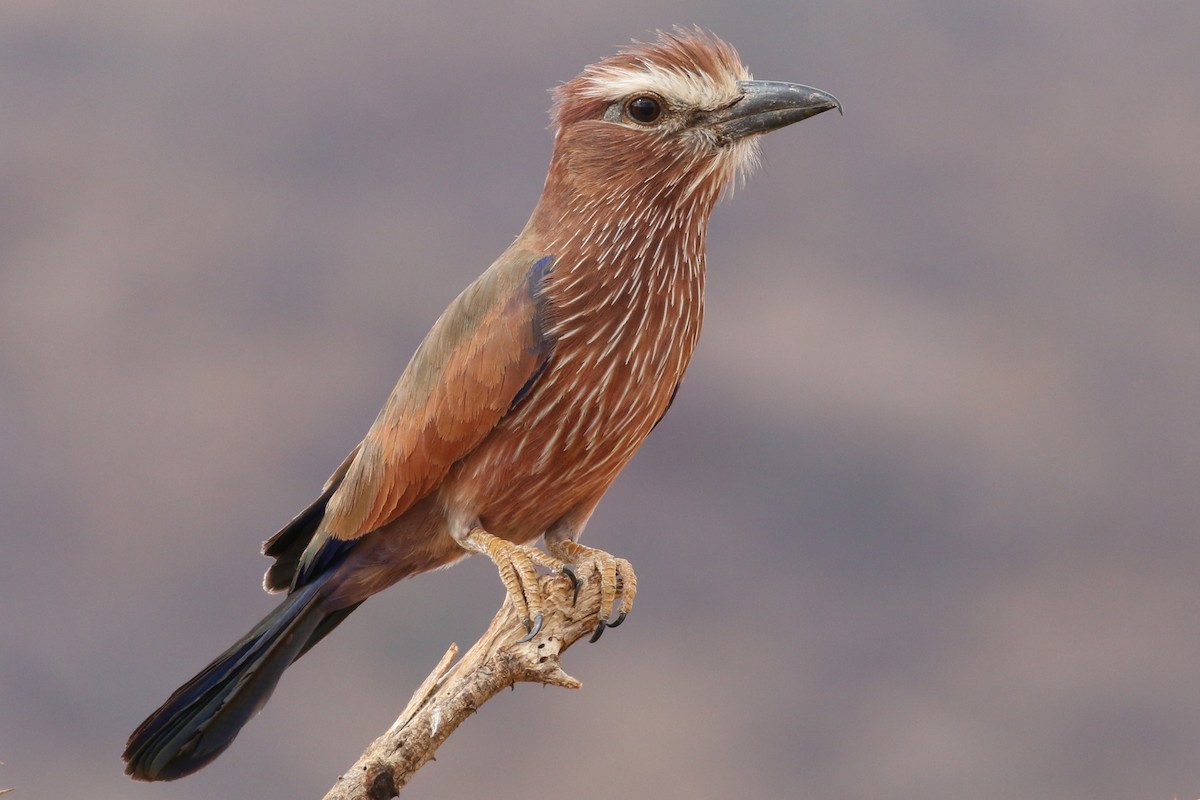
531, 391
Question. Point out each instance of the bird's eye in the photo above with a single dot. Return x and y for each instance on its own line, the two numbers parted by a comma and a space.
644, 109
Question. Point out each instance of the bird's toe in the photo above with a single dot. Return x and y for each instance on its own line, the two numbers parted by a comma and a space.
617, 580
517, 565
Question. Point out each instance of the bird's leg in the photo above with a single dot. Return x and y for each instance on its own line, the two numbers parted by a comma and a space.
517, 565
612, 572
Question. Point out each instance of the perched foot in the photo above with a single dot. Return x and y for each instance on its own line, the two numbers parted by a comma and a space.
518, 564
613, 573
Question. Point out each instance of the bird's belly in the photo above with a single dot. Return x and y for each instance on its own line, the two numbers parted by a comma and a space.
559, 450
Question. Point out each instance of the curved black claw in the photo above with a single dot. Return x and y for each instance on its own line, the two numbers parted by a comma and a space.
570, 573
617, 622
533, 630
599, 632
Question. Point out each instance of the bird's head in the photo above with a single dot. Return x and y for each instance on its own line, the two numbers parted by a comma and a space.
674, 120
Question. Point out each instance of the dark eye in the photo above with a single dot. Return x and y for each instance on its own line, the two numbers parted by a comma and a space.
644, 109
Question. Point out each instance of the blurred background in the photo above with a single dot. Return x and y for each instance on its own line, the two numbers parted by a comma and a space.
921, 524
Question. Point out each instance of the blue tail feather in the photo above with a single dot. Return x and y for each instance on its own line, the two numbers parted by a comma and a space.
203, 716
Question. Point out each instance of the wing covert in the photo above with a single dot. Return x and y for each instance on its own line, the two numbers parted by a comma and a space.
476, 363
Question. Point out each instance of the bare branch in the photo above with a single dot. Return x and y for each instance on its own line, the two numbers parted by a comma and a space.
451, 694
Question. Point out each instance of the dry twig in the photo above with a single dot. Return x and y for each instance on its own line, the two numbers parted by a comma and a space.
452, 693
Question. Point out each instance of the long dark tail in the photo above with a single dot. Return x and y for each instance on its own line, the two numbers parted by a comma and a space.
203, 716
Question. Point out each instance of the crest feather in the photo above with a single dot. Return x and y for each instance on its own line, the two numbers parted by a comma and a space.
691, 67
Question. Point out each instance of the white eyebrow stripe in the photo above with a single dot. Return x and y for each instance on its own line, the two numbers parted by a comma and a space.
675, 85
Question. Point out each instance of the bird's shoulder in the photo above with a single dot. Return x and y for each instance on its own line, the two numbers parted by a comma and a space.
473, 365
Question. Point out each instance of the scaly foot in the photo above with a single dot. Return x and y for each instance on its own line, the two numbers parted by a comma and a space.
612, 572
517, 564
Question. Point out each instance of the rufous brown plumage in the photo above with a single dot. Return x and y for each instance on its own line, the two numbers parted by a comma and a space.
531, 391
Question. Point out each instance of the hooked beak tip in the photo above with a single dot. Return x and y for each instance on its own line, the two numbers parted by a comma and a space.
769, 105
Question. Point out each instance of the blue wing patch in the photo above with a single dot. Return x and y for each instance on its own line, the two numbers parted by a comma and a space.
537, 276
542, 342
